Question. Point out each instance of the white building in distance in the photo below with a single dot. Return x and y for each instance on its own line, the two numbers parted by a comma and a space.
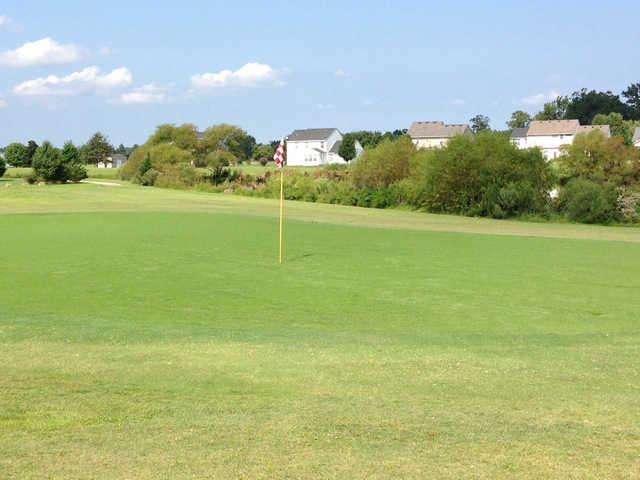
316, 146
550, 135
636, 138
436, 134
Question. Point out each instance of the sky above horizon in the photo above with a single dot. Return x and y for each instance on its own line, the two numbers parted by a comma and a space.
69, 69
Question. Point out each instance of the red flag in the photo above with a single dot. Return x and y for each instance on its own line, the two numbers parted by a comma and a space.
278, 157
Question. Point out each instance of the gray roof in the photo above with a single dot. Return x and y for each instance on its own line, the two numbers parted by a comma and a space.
636, 135
437, 130
119, 156
336, 147
310, 134
519, 132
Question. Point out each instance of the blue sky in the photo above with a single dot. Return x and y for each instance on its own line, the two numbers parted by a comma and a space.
69, 69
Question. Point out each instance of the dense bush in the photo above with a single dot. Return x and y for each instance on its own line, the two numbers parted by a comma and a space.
585, 201
484, 175
14, 154
3, 166
595, 157
384, 164
48, 165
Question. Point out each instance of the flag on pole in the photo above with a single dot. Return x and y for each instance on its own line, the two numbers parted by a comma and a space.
278, 157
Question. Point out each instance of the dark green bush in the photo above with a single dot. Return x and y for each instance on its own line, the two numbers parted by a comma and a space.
589, 202
3, 166
149, 178
484, 175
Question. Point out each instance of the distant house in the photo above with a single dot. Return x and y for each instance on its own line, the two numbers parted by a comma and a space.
550, 135
316, 146
519, 137
436, 134
115, 160
636, 138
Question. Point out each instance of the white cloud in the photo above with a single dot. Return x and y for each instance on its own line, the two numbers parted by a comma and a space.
3, 103
88, 80
106, 51
540, 98
341, 73
325, 106
149, 93
457, 101
367, 102
42, 52
250, 75
5, 20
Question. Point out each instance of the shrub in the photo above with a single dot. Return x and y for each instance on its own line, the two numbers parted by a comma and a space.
149, 178
70, 157
384, 164
48, 164
3, 166
586, 201
484, 175
629, 204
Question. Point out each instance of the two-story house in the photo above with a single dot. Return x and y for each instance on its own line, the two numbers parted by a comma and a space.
550, 135
316, 146
435, 134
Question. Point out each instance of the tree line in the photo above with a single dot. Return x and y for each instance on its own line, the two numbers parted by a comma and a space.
591, 107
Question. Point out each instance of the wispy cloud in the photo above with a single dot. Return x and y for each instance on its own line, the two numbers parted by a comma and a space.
367, 102
250, 75
540, 98
325, 106
457, 101
150, 93
8, 23
106, 51
3, 103
341, 73
88, 80
42, 52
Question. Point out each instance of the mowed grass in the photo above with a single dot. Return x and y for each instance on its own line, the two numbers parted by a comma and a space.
170, 344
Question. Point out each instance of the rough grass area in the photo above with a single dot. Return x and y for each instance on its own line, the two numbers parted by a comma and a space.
93, 172
170, 344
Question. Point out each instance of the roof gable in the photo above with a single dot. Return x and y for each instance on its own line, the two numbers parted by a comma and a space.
311, 134
553, 127
437, 129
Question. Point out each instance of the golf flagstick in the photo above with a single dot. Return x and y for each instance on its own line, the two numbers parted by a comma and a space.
278, 157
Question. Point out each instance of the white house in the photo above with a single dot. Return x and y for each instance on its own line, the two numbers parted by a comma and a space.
636, 138
316, 146
550, 135
519, 137
435, 134
115, 160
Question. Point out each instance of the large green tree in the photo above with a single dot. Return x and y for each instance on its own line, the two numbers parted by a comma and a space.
519, 119
47, 164
70, 158
479, 123
347, 148
619, 126
97, 149
13, 154
29, 152
554, 110
632, 97
263, 151
584, 105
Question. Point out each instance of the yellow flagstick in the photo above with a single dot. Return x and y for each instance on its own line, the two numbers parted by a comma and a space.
281, 207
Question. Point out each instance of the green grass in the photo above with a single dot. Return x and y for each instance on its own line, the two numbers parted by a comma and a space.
151, 334
93, 172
